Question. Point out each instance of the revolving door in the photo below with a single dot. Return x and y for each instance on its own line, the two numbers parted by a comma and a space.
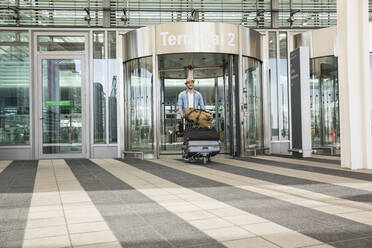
226, 66
212, 74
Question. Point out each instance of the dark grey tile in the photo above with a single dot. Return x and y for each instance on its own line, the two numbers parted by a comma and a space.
15, 197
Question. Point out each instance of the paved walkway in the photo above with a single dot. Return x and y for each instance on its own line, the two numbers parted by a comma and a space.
264, 201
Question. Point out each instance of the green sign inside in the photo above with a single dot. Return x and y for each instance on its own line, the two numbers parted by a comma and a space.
57, 103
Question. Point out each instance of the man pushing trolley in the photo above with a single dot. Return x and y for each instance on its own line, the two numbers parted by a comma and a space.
201, 140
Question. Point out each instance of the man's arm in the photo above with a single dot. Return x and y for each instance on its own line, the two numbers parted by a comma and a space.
180, 104
201, 102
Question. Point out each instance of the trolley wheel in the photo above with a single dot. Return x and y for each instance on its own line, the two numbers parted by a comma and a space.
205, 160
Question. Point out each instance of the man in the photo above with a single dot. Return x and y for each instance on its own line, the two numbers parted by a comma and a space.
189, 98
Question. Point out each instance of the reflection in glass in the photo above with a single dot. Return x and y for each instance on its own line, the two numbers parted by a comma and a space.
252, 97
274, 120
284, 132
324, 100
61, 108
138, 95
99, 88
60, 43
171, 122
112, 83
14, 88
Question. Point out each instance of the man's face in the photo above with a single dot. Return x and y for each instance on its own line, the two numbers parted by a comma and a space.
190, 85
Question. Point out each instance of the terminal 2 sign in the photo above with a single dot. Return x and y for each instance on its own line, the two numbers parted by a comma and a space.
199, 37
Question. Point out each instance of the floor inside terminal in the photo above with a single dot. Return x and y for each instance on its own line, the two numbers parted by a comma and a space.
266, 201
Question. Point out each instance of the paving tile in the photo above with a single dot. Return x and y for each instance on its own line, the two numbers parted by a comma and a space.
254, 242
88, 227
244, 219
92, 238
229, 233
49, 242
101, 245
42, 232
226, 212
212, 223
196, 215
291, 239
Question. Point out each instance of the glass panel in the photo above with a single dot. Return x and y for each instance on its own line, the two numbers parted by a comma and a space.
274, 120
172, 126
284, 132
60, 43
138, 94
14, 88
252, 97
99, 88
210, 81
324, 107
61, 108
112, 104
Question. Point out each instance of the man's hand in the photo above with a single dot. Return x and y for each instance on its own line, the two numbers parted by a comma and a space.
181, 112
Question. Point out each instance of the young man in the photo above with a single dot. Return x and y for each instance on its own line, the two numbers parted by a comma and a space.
189, 98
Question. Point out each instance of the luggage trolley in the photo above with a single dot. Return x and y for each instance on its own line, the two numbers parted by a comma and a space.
200, 143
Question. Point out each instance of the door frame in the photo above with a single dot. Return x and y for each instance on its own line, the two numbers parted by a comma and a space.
36, 92
228, 101
39, 102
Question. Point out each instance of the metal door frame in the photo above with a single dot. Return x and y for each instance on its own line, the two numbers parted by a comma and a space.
36, 90
39, 104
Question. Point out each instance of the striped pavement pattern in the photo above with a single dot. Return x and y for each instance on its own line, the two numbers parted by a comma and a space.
262, 201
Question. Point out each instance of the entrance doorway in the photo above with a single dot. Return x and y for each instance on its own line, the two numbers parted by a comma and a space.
212, 76
61, 120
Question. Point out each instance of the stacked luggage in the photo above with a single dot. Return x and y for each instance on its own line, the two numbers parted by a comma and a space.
201, 140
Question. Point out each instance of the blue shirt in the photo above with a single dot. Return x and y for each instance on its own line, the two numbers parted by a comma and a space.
183, 101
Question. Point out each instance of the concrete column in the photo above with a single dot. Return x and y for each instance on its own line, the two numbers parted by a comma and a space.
354, 84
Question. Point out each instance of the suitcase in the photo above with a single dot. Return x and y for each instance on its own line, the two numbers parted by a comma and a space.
200, 143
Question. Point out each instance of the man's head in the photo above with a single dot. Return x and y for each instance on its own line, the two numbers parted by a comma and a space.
189, 84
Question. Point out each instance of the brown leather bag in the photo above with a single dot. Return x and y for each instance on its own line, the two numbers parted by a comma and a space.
199, 117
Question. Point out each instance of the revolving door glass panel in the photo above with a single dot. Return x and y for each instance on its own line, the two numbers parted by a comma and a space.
138, 102
252, 102
211, 79
324, 100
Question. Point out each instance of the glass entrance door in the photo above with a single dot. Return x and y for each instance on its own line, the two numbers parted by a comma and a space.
211, 75
61, 125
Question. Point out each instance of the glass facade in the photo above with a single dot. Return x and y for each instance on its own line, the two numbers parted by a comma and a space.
138, 78
14, 88
99, 88
283, 86
60, 43
250, 13
273, 67
324, 99
112, 87
104, 87
278, 66
252, 99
